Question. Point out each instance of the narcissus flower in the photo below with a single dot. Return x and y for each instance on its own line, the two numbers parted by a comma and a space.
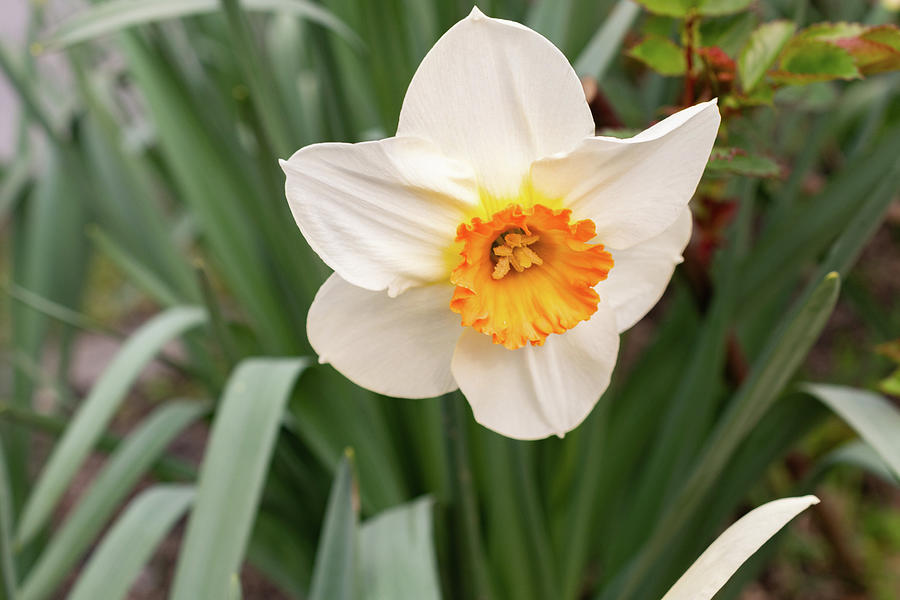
495, 244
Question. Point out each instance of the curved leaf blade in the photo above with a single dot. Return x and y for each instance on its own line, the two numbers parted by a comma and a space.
232, 475
731, 549
875, 419
7, 565
129, 544
97, 409
130, 461
604, 45
110, 17
396, 554
860, 455
333, 572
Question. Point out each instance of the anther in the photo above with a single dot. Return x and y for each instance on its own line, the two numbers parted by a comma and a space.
513, 252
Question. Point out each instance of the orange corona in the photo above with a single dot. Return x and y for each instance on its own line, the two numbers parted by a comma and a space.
527, 273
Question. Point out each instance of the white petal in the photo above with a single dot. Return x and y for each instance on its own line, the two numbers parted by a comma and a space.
537, 391
641, 273
398, 347
633, 189
381, 214
498, 95
739, 542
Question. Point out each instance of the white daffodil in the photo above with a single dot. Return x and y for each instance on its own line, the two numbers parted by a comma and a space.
495, 244
731, 549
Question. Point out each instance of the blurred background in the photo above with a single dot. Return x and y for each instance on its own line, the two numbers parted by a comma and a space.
138, 177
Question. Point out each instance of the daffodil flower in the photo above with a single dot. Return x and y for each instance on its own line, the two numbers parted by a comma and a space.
731, 549
495, 244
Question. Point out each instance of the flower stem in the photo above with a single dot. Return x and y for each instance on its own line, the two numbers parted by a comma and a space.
464, 517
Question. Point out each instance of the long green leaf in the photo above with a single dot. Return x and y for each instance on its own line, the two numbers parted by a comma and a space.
333, 573
57, 311
396, 554
130, 543
97, 410
231, 476
135, 270
125, 467
606, 43
141, 225
234, 588
784, 354
875, 419
167, 468
48, 258
110, 17
861, 455
14, 184
218, 187
7, 565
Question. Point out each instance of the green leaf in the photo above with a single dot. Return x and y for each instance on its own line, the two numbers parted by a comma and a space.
48, 258
605, 44
15, 182
669, 8
7, 564
806, 61
681, 8
551, 19
123, 470
334, 569
875, 51
761, 50
738, 162
234, 588
57, 311
888, 35
875, 419
96, 411
110, 17
218, 202
396, 554
860, 455
231, 476
713, 8
124, 551
134, 269
784, 353
891, 384
728, 33
831, 31
660, 54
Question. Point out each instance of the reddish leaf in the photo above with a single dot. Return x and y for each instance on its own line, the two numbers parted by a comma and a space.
871, 57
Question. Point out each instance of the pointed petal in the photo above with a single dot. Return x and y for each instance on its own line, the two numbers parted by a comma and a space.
498, 95
381, 214
641, 273
398, 347
633, 189
739, 542
537, 391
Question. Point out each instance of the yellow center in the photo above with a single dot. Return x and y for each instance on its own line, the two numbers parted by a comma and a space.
527, 272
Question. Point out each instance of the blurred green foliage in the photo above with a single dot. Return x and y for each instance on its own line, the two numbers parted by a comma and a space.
155, 158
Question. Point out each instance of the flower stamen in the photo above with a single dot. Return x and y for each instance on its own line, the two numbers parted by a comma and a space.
512, 249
